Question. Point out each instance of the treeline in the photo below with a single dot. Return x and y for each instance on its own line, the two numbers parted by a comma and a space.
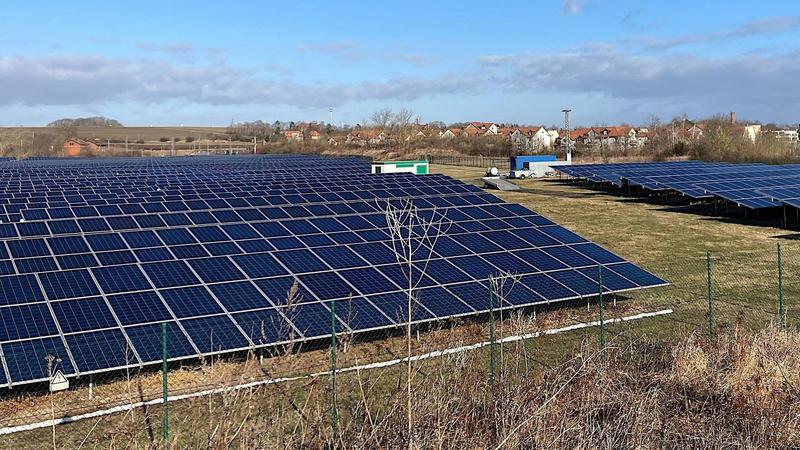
270, 132
97, 121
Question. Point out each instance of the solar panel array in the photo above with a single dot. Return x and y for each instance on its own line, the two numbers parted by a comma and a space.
753, 186
96, 254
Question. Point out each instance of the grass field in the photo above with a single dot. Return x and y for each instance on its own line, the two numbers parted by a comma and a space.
670, 241
147, 134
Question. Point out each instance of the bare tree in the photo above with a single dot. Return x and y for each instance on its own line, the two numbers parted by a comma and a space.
382, 118
402, 124
502, 285
414, 235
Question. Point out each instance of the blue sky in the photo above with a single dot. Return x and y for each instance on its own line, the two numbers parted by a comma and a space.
209, 62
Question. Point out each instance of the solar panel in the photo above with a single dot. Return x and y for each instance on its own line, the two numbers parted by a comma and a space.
238, 252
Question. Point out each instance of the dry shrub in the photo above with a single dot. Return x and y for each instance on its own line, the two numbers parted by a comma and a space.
738, 391
759, 373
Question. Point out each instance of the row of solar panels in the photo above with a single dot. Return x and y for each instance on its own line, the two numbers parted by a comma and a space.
63, 253
251, 162
117, 340
84, 206
753, 186
211, 187
181, 217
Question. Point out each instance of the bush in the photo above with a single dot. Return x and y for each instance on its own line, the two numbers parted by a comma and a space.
189, 139
163, 139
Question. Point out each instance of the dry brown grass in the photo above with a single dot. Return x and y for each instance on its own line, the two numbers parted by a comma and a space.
693, 393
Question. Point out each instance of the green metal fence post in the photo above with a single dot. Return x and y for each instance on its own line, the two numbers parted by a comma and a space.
781, 306
602, 313
710, 295
492, 367
164, 388
334, 407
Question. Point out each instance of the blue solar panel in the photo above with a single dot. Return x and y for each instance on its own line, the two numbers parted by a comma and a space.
214, 270
68, 284
27, 321
264, 326
191, 302
170, 274
215, 333
83, 314
147, 341
116, 351
138, 307
116, 279
239, 296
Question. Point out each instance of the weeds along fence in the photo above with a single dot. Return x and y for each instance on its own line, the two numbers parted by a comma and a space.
354, 388
469, 161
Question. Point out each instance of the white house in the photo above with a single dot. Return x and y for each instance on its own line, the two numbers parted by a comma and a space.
786, 135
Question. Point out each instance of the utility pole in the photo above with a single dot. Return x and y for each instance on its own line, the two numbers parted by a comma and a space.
172, 146
567, 145
126, 144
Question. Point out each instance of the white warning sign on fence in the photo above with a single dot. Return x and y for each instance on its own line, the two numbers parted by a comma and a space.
58, 382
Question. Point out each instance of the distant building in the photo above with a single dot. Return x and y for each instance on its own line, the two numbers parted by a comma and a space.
451, 133
538, 138
750, 132
293, 135
785, 135
694, 131
364, 137
314, 135
76, 147
481, 129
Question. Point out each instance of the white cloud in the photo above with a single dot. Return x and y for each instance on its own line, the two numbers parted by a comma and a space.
416, 59
764, 83
85, 80
173, 48
346, 51
756, 27
573, 7
762, 86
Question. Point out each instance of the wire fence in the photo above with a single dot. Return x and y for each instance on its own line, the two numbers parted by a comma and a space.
346, 375
469, 161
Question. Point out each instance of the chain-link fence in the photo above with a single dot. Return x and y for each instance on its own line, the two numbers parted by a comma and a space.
322, 387
469, 161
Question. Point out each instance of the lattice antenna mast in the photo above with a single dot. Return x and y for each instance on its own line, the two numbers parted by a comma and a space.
567, 145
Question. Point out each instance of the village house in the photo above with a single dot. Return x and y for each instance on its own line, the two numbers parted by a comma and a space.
451, 133
481, 129
314, 135
610, 137
293, 135
364, 137
76, 147
537, 138
788, 135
